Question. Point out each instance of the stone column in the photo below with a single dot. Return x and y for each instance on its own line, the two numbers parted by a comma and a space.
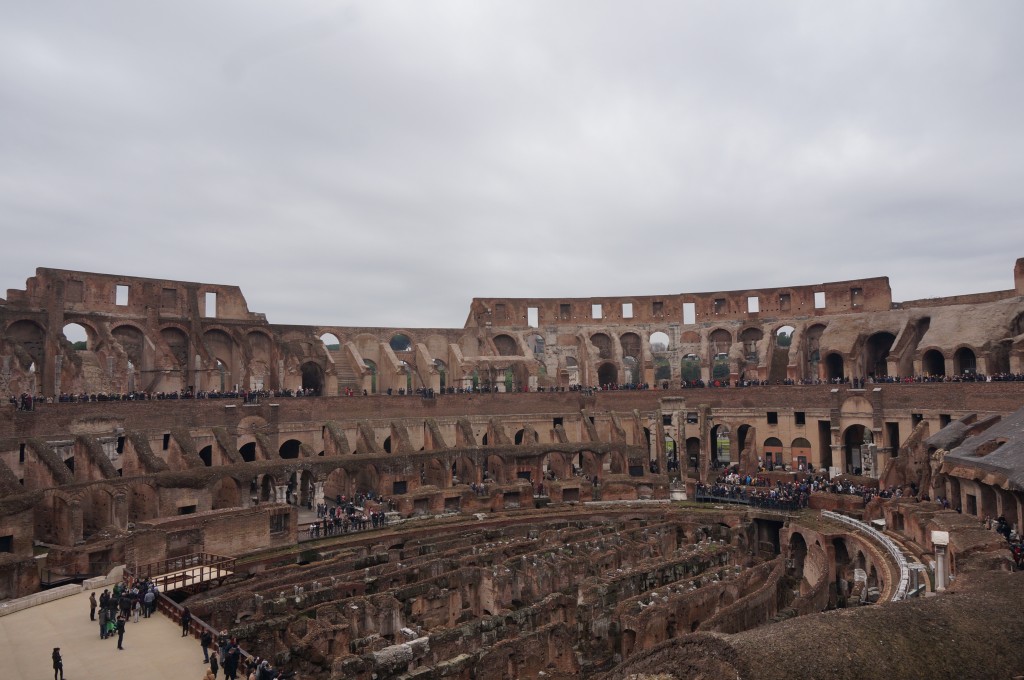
318, 493
77, 523
940, 539
281, 493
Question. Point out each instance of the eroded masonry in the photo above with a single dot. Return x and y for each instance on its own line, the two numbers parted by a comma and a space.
835, 450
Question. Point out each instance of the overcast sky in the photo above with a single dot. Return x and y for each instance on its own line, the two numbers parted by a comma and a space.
381, 163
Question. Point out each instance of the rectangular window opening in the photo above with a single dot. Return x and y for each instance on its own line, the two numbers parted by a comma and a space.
689, 312
657, 308
21, 453
532, 317
819, 299
944, 419
785, 302
800, 418
167, 440
595, 312
720, 305
892, 430
627, 310
565, 312
168, 298
211, 305
753, 305
555, 422
7, 544
666, 419
773, 417
187, 510
121, 296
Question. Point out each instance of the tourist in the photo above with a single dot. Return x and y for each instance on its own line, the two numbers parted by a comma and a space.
92, 606
58, 664
186, 621
120, 630
214, 666
206, 641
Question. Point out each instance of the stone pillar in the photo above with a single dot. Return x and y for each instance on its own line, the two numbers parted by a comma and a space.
120, 510
77, 523
940, 539
280, 493
318, 493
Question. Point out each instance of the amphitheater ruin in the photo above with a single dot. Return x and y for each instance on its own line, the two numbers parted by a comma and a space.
774, 483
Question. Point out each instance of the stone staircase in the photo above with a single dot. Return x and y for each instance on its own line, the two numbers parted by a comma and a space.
347, 377
94, 376
780, 361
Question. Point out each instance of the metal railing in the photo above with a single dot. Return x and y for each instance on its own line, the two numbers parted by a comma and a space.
176, 573
886, 542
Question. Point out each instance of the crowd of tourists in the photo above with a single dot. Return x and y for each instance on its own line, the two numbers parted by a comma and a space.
759, 491
1009, 532
129, 600
349, 514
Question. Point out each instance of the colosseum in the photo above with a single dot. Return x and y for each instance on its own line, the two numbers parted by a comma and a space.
812, 481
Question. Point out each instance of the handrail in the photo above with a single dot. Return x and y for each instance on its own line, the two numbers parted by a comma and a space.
887, 543
174, 611
175, 572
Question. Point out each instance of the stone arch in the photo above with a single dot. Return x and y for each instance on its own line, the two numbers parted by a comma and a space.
290, 449
143, 502
206, 454
435, 473
632, 346
177, 341
506, 345
98, 512
80, 334
248, 452
313, 377
603, 343
689, 368
876, 353
332, 342
518, 438
400, 342
553, 465
132, 340
800, 451
933, 363
721, 453
367, 479
371, 366
31, 337
965, 362
226, 493
607, 374
590, 464
812, 348
267, 488
834, 369
466, 470
337, 484
495, 469
855, 440
659, 341
749, 337
719, 342
773, 451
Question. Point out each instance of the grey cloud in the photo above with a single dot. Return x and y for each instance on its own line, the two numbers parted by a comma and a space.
382, 163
